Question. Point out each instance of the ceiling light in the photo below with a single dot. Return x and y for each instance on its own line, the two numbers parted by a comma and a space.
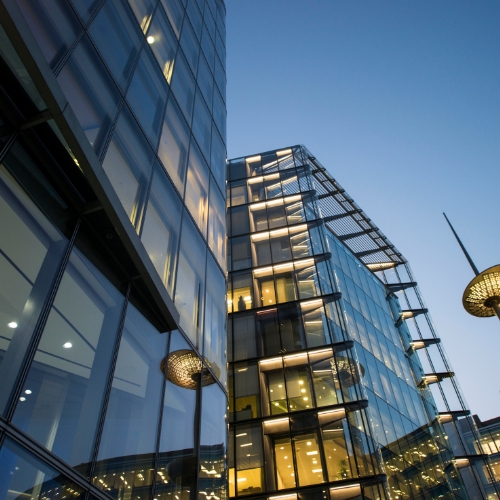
12, 324
68, 345
27, 391
22, 399
150, 39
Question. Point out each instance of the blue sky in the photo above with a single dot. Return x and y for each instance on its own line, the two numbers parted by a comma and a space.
400, 101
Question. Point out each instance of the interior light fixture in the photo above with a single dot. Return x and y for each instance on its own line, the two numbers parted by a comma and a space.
12, 324
27, 391
68, 345
22, 399
150, 39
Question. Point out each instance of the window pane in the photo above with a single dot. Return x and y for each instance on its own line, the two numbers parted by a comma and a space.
196, 197
246, 391
175, 13
128, 164
218, 164
70, 370
190, 287
217, 224
244, 344
160, 233
131, 425
240, 248
202, 125
215, 320
307, 445
249, 460
174, 143
195, 17
142, 10
190, 46
213, 437
183, 86
24, 476
163, 43
90, 91
30, 253
147, 96
117, 37
205, 81
54, 25
177, 460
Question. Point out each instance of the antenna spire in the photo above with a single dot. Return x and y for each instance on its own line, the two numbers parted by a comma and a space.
467, 256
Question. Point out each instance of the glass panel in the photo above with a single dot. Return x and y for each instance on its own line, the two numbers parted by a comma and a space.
177, 461
240, 297
160, 233
337, 458
261, 250
115, 33
326, 384
268, 331
315, 324
174, 144
295, 212
208, 47
283, 456
238, 193
163, 43
277, 392
128, 164
244, 344
202, 125
190, 284
196, 197
285, 286
276, 215
246, 391
218, 159
194, 16
249, 460
90, 91
301, 243
175, 13
264, 287
217, 225
128, 441
147, 96
298, 388
183, 86
24, 476
54, 25
68, 378
258, 217
30, 253
240, 248
290, 328
213, 442
142, 10
307, 280
280, 246
206, 81
308, 459
215, 320
190, 46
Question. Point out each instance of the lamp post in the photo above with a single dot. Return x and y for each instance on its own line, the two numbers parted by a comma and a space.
482, 296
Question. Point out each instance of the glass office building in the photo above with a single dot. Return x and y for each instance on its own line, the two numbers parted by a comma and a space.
112, 249
338, 385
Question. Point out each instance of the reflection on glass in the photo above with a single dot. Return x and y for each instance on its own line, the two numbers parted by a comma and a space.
176, 473
215, 320
326, 384
285, 286
277, 392
196, 197
128, 164
69, 374
264, 286
283, 456
307, 279
30, 253
308, 459
336, 455
24, 476
249, 460
217, 225
133, 410
160, 232
280, 245
315, 323
298, 388
246, 391
163, 43
261, 251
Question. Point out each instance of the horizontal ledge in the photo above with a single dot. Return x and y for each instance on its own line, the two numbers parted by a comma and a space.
432, 378
397, 287
421, 343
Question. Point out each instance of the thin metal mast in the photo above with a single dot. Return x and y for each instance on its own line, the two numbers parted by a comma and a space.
467, 256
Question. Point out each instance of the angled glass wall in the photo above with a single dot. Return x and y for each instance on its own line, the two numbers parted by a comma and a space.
112, 250
326, 386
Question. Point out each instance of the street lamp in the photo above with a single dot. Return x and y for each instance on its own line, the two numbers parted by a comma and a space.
482, 295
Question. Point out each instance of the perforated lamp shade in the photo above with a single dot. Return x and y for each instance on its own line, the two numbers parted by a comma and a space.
482, 295
185, 368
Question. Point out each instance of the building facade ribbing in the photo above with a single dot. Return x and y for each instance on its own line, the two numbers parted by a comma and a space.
112, 249
328, 394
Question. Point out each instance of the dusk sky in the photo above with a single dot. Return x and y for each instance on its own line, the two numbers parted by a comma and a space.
400, 101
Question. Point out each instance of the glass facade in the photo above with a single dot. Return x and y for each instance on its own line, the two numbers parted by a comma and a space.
113, 250
328, 394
